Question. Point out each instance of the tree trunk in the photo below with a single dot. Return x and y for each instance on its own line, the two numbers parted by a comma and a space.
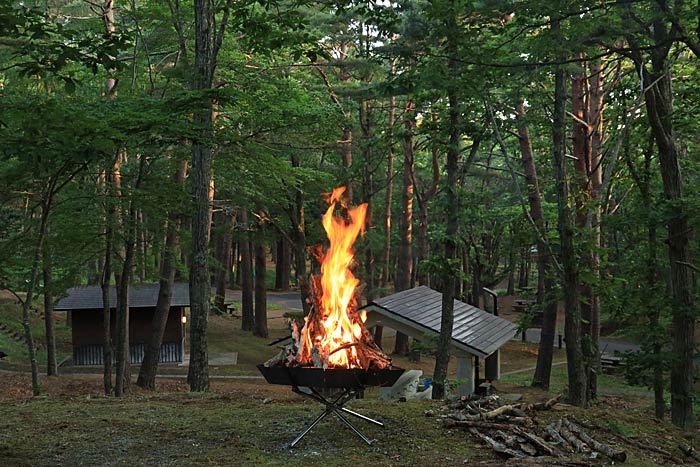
572, 330
205, 59
442, 358
404, 269
247, 293
299, 237
107, 354
365, 117
423, 200
46, 201
386, 255
547, 299
224, 260
659, 105
582, 166
346, 143
260, 328
283, 265
151, 357
522, 270
595, 115
123, 365
108, 192
51, 365
93, 272
511, 264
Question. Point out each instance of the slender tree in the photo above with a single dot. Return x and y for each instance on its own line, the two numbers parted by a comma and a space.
168, 267
404, 263
208, 40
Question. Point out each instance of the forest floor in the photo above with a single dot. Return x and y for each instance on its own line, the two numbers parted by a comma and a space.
246, 422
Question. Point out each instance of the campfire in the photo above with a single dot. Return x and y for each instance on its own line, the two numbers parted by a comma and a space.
334, 334
333, 349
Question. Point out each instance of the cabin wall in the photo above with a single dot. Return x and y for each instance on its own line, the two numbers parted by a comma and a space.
87, 335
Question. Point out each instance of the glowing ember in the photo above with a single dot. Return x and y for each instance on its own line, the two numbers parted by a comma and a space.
334, 335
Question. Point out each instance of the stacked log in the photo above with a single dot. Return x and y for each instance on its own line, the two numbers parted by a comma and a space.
512, 431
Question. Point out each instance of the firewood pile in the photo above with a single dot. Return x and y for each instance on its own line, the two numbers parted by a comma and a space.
513, 431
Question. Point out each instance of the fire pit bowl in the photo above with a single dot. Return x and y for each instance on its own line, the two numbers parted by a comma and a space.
331, 378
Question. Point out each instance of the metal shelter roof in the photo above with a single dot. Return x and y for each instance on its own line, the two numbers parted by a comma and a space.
474, 331
140, 296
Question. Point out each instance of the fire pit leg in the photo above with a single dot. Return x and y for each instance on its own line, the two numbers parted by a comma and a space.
308, 428
352, 427
335, 407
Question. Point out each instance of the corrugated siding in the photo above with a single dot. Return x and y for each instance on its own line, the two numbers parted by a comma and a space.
473, 327
170, 352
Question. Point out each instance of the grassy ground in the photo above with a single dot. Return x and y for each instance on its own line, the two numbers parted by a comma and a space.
244, 426
11, 317
244, 423
248, 423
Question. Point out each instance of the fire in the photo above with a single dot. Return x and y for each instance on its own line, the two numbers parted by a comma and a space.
334, 335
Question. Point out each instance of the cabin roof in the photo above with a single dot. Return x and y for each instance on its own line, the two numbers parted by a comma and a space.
475, 331
89, 297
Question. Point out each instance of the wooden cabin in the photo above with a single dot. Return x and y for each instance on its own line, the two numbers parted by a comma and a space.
86, 308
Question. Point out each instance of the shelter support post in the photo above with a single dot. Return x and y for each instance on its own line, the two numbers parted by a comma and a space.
465, 374
492, 366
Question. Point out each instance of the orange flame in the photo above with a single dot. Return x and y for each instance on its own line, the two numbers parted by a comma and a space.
342, 325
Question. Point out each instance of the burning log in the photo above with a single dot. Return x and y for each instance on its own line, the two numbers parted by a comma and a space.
333, 334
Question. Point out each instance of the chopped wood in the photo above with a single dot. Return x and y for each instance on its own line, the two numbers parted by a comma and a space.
539, 443
517, 412
478, 424
276, 360
615, 454
689, 451
631, 441
572, 439
504, 409
553, 432
516, 442
524, 421
528, 449
496, 446
540, 406
509, 439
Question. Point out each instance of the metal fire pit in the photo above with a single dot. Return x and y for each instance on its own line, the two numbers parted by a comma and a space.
349, 382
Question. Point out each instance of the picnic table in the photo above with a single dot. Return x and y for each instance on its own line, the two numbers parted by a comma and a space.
521, 305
